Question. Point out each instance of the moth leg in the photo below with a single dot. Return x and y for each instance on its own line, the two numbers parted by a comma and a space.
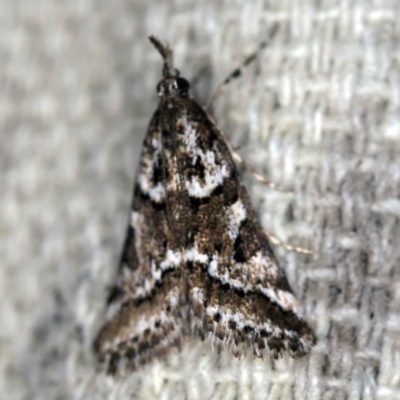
248, 167
286, 246
268, 183
236, 156
237, 72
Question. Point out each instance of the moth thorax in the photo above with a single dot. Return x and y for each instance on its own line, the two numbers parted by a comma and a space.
173, 87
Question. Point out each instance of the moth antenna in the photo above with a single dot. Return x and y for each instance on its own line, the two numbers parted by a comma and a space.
168, 56
237, 72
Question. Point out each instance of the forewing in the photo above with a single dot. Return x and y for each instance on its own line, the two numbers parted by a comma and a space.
145, 317
195, 257
238, 292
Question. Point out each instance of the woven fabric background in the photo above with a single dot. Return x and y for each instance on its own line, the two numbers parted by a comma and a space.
318, 113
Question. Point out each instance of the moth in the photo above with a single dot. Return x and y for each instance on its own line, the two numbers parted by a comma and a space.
195, 260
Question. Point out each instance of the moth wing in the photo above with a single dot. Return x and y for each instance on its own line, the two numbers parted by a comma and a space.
145, 316
238, 293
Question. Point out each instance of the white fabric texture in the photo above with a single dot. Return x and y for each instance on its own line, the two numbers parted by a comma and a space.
318, 113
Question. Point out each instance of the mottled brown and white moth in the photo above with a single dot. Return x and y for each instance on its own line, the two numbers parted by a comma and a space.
195, 259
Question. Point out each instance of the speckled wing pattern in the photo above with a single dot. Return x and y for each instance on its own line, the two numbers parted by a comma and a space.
195, 259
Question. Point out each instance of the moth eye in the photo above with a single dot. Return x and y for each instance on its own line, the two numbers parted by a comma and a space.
183, 86
160, 88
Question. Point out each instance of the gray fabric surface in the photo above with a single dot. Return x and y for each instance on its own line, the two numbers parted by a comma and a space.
317, 113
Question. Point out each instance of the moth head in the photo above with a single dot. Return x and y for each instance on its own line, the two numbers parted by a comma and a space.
173, 87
